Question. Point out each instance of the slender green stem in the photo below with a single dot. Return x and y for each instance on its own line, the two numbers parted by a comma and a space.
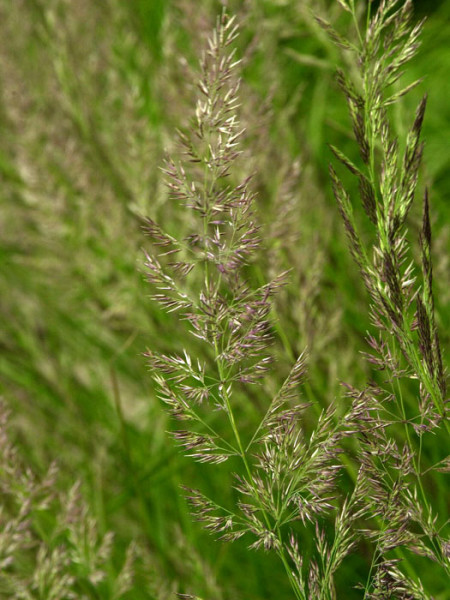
280, 550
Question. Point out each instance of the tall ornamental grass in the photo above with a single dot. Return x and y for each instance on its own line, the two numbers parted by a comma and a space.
285, 433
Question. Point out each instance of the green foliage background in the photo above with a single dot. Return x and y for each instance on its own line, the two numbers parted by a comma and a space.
91, 95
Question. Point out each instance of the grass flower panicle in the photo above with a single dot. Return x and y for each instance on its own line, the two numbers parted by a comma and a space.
296, 341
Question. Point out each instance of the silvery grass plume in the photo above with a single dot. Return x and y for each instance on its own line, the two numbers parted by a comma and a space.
394, 420
50, 546
286, 477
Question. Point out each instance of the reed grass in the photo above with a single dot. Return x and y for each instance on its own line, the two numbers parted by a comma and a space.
303, 372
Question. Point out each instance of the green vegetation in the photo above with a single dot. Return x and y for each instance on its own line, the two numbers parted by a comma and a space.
321, 326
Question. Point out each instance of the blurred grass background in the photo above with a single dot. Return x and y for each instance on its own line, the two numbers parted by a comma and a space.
91, 95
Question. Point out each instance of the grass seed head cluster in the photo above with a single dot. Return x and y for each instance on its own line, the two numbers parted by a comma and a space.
287, 476
319, 469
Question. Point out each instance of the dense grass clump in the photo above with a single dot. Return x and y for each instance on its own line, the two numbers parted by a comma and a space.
281, 209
